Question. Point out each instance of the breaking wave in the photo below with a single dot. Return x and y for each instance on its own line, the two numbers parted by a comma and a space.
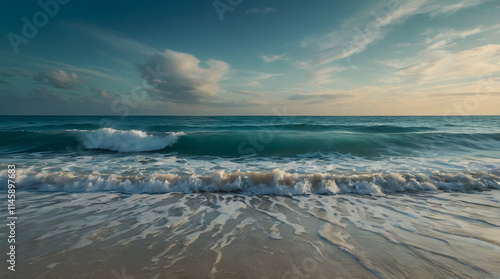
276, 182
127, 141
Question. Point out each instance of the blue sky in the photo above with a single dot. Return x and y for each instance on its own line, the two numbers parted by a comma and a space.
242, 57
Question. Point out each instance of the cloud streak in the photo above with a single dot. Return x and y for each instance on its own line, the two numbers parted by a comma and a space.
357, 33
265, 10
272, 57
439, 66
318, 97
436, 60
250, 93
114, 40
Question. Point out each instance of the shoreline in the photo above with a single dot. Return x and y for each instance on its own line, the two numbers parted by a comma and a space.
205, 235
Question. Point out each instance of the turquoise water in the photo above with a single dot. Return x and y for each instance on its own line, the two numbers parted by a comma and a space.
254, 155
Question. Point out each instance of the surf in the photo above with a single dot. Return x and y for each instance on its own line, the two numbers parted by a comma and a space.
127, 141
275, 182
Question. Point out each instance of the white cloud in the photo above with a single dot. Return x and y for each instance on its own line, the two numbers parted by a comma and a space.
390, 79
272, 58
443, 38
439, 8
264, 76
323, 75
252, 79
178, 77
358, 33
437, 62
58, 79
319, 97
441, 65
253, 83
319, 75
100, 92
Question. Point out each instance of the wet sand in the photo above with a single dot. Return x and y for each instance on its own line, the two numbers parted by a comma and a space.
207, 235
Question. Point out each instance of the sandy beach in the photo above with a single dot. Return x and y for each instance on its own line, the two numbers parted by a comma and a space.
207, 235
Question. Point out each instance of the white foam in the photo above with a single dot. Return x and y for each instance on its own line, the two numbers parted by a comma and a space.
276, 182
385, 234
274, 232
127, 141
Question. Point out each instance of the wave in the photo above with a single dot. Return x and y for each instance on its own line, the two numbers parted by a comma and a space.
127, 141
27, 141
237, 143
67, 126
276, 182
355, 128
74, 140
302, 127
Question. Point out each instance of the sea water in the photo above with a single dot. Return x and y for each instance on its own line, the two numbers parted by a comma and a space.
255, 197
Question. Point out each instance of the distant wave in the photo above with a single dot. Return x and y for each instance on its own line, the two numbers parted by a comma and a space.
127, 141
356, 128
302, 127
79, 126
276, 182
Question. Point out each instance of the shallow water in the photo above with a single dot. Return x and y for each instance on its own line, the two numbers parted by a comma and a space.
91, 235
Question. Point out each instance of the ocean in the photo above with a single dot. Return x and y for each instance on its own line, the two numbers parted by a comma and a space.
254, 155
258, 196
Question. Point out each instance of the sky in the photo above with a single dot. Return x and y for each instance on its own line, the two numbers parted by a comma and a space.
242, 57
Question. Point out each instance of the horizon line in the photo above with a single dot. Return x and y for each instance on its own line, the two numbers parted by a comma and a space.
242, 115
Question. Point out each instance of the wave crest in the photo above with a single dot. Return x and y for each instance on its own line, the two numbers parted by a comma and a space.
127, 141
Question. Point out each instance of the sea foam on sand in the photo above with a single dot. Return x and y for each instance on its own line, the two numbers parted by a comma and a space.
217, 235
